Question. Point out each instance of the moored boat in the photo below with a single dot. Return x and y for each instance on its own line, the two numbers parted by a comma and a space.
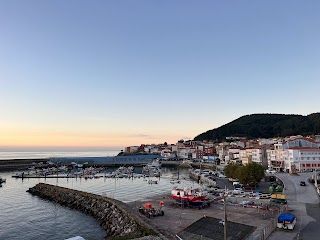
153, 182
2, 180
173, 181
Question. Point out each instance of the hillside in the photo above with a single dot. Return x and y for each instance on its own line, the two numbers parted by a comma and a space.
265, 126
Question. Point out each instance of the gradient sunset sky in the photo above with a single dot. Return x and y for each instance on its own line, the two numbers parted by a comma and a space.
109, 74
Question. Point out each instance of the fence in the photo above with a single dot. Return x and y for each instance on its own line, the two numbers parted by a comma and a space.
264, 233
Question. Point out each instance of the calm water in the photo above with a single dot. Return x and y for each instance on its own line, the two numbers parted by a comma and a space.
28, 217
37, 155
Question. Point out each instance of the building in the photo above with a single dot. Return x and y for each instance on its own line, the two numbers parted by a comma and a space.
198, 154
210, 228
301, 159
259, 155
245, 155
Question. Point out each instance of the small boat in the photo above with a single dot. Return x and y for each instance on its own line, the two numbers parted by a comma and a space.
173, 181
153, 182
75, 238
155, 163
2, 180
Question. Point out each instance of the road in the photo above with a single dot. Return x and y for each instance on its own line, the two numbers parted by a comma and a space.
304, 201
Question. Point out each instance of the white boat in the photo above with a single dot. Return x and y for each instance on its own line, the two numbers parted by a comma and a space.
155, 163
151, 171
153, 182
75, 238
173, 181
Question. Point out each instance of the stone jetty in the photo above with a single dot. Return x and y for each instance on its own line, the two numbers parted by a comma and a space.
114, 216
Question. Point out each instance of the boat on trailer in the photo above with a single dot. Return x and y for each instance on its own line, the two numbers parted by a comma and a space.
189, 196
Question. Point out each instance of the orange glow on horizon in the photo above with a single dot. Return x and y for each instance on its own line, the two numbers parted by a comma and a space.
79, 140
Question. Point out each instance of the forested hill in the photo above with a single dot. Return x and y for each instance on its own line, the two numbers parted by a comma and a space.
265, 126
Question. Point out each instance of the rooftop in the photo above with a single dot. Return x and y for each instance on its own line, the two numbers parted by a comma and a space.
209, 228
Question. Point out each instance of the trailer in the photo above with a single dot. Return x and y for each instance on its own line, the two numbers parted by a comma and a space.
150, 211
286, 221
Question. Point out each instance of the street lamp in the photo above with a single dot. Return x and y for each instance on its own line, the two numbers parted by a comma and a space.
225, 216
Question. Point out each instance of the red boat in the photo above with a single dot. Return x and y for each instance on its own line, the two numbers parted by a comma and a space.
192, 196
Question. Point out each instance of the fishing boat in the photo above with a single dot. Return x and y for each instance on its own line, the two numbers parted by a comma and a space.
191, 196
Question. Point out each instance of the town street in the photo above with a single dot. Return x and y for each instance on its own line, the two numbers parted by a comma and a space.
304, 202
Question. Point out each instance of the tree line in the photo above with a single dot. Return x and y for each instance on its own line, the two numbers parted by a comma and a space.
265, 126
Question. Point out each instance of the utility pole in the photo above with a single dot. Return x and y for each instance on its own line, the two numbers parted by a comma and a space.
225, 215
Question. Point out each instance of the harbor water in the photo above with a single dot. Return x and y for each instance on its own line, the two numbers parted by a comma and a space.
28, 217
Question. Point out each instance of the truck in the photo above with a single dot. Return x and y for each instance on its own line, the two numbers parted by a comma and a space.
286, 221
278, 196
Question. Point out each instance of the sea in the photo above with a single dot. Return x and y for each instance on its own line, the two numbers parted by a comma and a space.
28, 217
4, 155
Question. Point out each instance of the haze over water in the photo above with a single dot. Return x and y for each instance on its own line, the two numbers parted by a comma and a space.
6, 155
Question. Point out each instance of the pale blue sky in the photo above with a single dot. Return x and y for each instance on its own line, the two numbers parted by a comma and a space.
118, 73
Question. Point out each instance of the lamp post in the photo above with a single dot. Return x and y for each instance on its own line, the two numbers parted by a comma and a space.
225, 215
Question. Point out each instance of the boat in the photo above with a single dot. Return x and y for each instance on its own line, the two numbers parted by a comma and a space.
153, 182
191, 196
75, 238
2, 180
173, 181
155, 163
151, 171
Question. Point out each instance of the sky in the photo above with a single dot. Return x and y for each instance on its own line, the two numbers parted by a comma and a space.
110, 74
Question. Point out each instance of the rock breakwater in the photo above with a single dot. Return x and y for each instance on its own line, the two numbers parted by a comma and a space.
113, 216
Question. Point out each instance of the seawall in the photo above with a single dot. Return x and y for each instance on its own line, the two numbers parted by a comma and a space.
115, 217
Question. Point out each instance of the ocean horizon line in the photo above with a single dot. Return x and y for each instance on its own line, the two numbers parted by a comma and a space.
12, 155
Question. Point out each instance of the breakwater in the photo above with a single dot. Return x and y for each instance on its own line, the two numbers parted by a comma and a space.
115, 217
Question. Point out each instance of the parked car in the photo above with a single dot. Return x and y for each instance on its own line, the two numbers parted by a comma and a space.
250, 186
278, 201
211, 178
246, 203
271, 171
302, 183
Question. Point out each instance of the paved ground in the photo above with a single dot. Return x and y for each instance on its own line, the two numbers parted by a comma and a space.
305, 204
176, 219
303, 200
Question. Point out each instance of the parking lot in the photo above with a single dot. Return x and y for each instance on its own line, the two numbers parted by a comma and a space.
177, 218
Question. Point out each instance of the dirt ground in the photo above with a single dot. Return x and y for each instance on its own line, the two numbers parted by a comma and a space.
175, 218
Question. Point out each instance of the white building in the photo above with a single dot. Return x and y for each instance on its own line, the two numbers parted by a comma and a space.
259, 156
301, 159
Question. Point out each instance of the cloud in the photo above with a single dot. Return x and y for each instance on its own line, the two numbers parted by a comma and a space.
142, 136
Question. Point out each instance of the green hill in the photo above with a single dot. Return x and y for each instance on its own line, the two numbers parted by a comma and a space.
265, 126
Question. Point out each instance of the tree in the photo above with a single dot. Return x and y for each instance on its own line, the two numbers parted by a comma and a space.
251, 173
231, 170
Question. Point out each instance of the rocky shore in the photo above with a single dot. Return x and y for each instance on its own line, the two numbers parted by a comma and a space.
113, 216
